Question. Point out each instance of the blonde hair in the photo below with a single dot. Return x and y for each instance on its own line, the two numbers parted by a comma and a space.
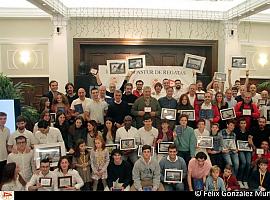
214, 169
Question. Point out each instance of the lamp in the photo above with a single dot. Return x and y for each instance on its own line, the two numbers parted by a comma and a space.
25, 57
263, 59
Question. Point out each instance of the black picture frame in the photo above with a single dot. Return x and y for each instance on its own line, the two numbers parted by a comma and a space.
45, 181
64, 181
239, 62
163, 147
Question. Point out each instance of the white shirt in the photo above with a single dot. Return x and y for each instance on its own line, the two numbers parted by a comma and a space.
25, 161
53, 136
178, 93
13, 186
77, 181
31, 140
255, 98
84, 103
35, 179
191, 99
121, 133
97, 110
148, 137
4, 136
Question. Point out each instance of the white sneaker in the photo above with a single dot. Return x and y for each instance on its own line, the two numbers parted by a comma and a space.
246, 185
241, 185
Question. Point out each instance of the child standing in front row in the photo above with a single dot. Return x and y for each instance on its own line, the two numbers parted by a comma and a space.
213, 181
81, 161
100, 159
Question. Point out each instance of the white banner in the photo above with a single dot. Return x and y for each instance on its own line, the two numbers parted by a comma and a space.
150, 75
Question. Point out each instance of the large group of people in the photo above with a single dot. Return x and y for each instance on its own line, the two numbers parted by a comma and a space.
87, 126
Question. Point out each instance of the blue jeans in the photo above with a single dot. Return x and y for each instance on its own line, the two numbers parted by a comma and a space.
173, 187
244, 169
232, 159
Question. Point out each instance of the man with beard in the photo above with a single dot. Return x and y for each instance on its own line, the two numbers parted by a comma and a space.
178, 91
21, 131
70, 94
260, 133
128, 96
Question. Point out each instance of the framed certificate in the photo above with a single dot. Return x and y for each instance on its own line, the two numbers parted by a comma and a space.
247, 112
262, 102
64, 181
147, 109
259, 151
45, 181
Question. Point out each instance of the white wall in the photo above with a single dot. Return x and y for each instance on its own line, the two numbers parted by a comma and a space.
60, 46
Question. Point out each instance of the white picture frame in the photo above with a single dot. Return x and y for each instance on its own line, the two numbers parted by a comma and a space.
93, 71
167, 113
239, 62
221, 77
111, 147
266, 114
173, 176
194, 62
205, 142
229, 144
246, 112
136, 62
227, 113
140, 151
200, 96
53, 117
243, 145
51, 151
127, 144
189, 113
117, 67
259, 151
163, 147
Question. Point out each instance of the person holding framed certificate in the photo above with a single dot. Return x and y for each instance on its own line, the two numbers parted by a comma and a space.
67, 179
248, 110
44, 180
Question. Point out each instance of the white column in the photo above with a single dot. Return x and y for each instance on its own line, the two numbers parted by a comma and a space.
231, 47
58, 53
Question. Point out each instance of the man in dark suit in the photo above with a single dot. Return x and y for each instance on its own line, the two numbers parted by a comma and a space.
53, 91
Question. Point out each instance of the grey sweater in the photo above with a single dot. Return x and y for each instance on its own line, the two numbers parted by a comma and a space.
146, 171
167, 164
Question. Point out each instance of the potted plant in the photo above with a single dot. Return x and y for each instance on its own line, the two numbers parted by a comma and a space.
15, 91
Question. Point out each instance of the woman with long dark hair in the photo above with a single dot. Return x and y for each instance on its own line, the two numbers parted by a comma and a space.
109, 131
11, 179
62, 124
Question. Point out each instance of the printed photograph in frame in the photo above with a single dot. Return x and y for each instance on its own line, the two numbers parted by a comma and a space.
127, 144
243, 145
239, 62
136, 62
229, 144
52, 151
173, 176
228, 113
189, 113
118, 67
205, 142
167, 113
163, 147
194, 62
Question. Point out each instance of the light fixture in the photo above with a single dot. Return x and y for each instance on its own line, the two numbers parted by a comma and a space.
25, 57
263, 58
44, 4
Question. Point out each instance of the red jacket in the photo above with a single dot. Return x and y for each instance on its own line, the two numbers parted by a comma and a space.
230, 182
214, 108
255, 114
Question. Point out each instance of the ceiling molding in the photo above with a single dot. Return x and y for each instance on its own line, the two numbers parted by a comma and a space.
264, 18
52, 7
22, 12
